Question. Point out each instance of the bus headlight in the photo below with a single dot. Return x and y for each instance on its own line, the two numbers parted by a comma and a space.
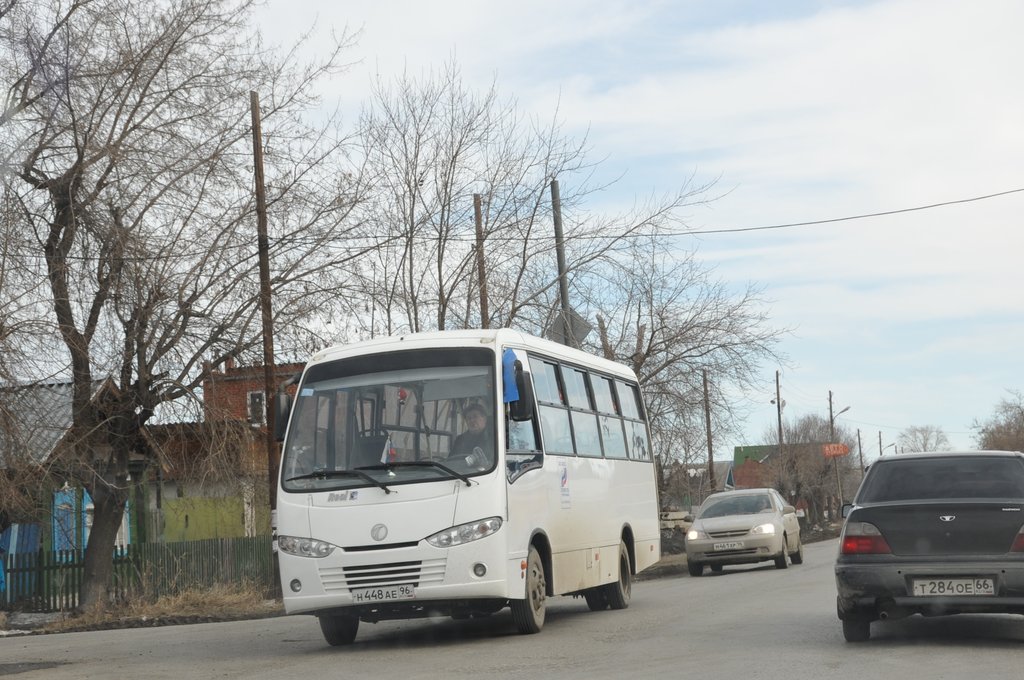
464, 533
304, 547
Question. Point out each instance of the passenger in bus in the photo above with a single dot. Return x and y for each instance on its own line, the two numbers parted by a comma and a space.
478, 440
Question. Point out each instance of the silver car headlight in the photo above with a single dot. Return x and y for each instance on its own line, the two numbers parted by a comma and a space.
764, 529
695, 535
465, 533
304, 547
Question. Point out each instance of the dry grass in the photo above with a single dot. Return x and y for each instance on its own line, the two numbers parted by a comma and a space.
217, 603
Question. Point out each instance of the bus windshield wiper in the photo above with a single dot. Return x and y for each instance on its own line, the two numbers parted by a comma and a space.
328, 474
420, 463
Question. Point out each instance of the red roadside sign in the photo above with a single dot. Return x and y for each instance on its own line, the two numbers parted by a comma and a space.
834, 450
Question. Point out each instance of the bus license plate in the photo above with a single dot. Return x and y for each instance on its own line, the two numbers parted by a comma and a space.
729, 545
400, 592
944, 587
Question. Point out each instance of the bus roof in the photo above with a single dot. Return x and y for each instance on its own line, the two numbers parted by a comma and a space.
472, 338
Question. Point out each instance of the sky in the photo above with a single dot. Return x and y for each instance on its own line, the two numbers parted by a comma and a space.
799, 111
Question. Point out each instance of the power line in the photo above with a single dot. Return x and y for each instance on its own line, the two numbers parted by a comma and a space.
294, 240
856, 217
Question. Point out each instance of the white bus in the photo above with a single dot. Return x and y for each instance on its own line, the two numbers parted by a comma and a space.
385, 512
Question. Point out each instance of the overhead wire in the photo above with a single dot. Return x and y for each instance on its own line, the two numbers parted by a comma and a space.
295, 239
883, 213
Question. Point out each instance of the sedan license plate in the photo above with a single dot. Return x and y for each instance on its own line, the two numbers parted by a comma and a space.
956, 587
728, 545
400, 592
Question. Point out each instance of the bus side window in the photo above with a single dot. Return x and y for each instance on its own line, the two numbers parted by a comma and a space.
521, 436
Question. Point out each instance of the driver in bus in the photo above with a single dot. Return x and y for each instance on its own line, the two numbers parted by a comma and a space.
476, 442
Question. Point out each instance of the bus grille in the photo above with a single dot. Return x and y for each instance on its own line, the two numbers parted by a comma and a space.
417, 573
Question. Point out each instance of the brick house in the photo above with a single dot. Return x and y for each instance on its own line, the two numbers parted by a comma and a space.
213, 480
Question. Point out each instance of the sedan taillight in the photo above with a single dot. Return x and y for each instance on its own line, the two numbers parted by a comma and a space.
863, 538
1018, 542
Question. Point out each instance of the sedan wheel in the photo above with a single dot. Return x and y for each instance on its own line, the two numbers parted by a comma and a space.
856, 629
780, 561
798, 556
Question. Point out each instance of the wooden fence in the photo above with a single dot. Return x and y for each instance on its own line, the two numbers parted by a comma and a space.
49, 581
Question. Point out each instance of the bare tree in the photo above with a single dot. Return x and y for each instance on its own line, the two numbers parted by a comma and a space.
802, 471
127, 178
661, 311
1004, 429
923, 438
430, 144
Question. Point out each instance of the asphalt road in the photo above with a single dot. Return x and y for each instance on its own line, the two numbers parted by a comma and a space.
748, 622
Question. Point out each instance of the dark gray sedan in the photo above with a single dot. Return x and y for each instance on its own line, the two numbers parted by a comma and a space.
933, 534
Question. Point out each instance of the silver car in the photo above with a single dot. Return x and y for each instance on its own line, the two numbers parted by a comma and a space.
743, 527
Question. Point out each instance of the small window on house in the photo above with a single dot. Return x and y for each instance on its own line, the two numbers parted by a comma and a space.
257, 410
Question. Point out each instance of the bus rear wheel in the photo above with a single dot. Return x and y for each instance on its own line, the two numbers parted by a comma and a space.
339, 629
595, 598
528, 613
618, 593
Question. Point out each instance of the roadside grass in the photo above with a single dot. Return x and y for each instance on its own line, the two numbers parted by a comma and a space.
216, 603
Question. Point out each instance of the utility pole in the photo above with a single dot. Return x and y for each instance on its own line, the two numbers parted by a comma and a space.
787, 462
263, 246
778, 404
478, 218
563, 279
879, 442
860, 449
707, 424
832, 440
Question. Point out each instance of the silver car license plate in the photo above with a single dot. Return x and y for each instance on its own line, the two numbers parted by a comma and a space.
955, 587
400, 592
727, 545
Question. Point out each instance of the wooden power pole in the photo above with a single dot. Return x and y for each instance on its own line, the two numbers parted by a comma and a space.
707, 424
263, 245
478, 219
563, 279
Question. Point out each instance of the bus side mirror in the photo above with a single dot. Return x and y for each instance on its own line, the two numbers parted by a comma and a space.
283, 406
282, 410
522, 408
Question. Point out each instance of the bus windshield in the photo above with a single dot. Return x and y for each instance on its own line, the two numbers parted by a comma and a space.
391, 419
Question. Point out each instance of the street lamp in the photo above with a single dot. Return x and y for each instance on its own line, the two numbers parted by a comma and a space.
832, 423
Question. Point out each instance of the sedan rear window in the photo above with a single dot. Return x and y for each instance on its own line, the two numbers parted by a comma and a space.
941, 478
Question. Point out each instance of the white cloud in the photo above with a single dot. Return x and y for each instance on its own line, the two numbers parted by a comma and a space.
806, 112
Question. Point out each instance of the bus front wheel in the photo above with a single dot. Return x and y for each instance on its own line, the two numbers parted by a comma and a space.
339, 629
618, 593
528, 613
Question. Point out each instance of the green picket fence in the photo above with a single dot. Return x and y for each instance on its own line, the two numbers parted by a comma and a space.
49, 581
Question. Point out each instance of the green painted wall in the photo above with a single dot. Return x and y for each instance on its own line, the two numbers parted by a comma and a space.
193, 519
196, 518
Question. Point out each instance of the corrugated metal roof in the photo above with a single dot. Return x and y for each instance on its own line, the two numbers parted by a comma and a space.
35, 419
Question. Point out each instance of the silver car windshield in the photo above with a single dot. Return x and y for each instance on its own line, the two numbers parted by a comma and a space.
401, 423
735, 505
